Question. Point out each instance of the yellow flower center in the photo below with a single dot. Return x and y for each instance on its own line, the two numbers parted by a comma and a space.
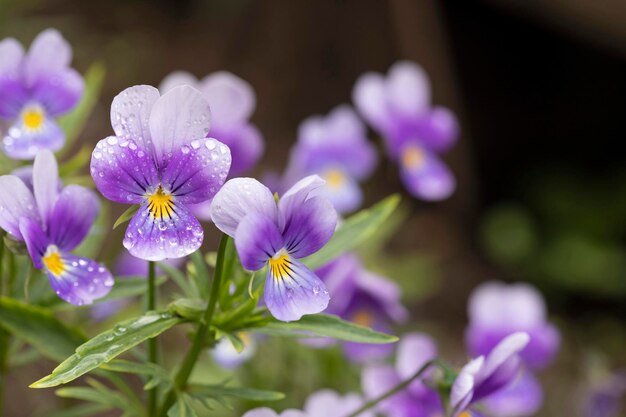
161, 204
465, 414
335, 178
363, 318
280, 265
33, 118
53, 261
413, 157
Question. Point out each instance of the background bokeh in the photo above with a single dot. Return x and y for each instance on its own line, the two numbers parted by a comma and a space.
540, 91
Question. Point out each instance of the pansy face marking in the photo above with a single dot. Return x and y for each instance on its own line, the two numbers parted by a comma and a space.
161, 204
280, 265
33, 118
335, 178
413, 157
53, 262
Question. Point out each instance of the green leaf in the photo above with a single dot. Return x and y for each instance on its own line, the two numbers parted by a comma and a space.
157, 375
201, 274
78, 411
39, 327
74, 122
178, 277
182, 407
126, 216
106, 397
325, 325
218, 391
106, 346
354, 231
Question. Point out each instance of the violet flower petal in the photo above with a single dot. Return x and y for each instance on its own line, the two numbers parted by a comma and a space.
425, 176
58, 92
72, 217
13, 94
523, 397
309, 227
231, 98
130, 113
257, 239
45, 183
16, 202
177, 78
22, 142
48, 54
35, 238
82, 281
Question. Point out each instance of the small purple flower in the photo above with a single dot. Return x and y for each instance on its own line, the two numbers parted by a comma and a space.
336, 148
486, 375
232, 101
161, 159
399, 107
364, 298
34, 89
324, 403
419, 400
606, 396
497, 310
276, 236
52, 223
523, 397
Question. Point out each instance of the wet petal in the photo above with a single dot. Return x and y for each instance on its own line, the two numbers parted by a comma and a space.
231, 98
238, 198
178, 117
59, 92
16, 201
122, 170
293, 198
309, 226
408, 89
291, 290
81, 281
130, 113
49, 53
23, 142
74, 213
177, 78
425, 176
245, 143
45, 183
36, 240
257, 239
171, 232
13, 94
195, 172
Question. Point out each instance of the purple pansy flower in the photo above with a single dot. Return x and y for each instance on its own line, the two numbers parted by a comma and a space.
232, 101
323, 403
276, 236
497, 310
523, 397
52, 223
366, 298
486, 375
336, 148
399, 107
161, 159
35, 88
419, 400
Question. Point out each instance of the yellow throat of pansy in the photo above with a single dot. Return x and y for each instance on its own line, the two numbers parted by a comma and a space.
280, 265
53, 262
161, 204
413, 157
334, 178
33, 118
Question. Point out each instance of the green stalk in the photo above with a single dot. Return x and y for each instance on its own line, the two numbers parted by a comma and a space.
4, 337
152, 343
199, 341
393, 391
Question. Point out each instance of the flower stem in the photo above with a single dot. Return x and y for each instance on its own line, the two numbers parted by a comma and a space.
183, 374
152, 343
4, 336
393, 390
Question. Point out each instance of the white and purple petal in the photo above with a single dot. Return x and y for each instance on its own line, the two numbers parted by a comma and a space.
425, 176
523, 397
177, 78
130, 114
48, 54
195, 172
23, 142
58, 92
245, 143
82, 281
231, 98
72, 217
325, 403
408, 89
462, 392
35, 238
122, 170
257, 239
238, 198
309, 226
45, 183
159, 236
13, 93
369, 97
16, 202
292, 290
295, 196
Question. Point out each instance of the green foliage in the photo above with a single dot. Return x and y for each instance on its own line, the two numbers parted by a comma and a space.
182, 407
156, 374
249, 394
126, 216
106, 346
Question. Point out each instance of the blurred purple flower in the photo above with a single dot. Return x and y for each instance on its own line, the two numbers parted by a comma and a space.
419, 400
365, 298
277, 235
161, 159
323, 403
34, 89
225, 354
52, 223
232, 102
487, 375
497, 310
336, 148
606, 398
523, 397
399, 107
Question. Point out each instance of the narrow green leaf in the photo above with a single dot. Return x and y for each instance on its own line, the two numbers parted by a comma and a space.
106, 346
78, 411
326, 325
178, 277
218, 391
354, 231
182, 407
201, 275
157, 375
107, 397
38, 327
126, 216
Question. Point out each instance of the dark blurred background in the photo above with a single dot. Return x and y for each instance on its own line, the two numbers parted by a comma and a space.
540, 89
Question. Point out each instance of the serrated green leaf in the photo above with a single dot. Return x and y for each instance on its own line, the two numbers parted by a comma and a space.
74, 122
325, 325
126, 216
39, 327
219, 391
354, 231
182, 407
107, 345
